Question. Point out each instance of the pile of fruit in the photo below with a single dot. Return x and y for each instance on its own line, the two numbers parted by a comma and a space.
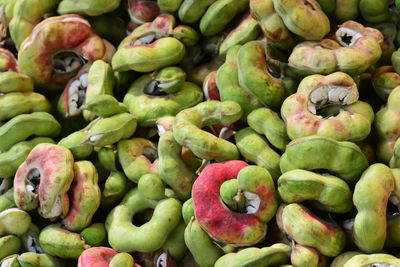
211, 133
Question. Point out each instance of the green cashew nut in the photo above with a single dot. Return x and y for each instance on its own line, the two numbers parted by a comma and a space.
201, 246
186, 34
375, 12
23, 126
5, 184
169, 79
328, 6
385, 79
386, 126
341, 259
304, 256
151, 187
192, 10
395, 160
389, 32
393, 228
175, 243
110, 27
87, 7
108, 158
29, 259
307, 229
227, 80
9, 244
13, 104
7, 200
255, 149
257, 257
304, 18
61, 243
372, 260
95, 235
229, 194
14, 221
171, 167
253, 183
115, 188
371, 195
8, 7
269, 87
15, 82
247, 30
122, 259
17, 96
104, 106
169, 6
188, 123
147, 100
149, 47
138, 156
100, 81
266, 121
107, 131
187, 210
344, 159
346, 10
75, 142
123, 236
11, 159
271, 23
219, 14
393, 222
331, 193
396, 60
314, 94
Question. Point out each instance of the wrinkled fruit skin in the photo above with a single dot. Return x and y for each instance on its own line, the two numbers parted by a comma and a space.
54, 166
223, 224
86, 196
37, 53
304, 18
299, 111
327, 56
